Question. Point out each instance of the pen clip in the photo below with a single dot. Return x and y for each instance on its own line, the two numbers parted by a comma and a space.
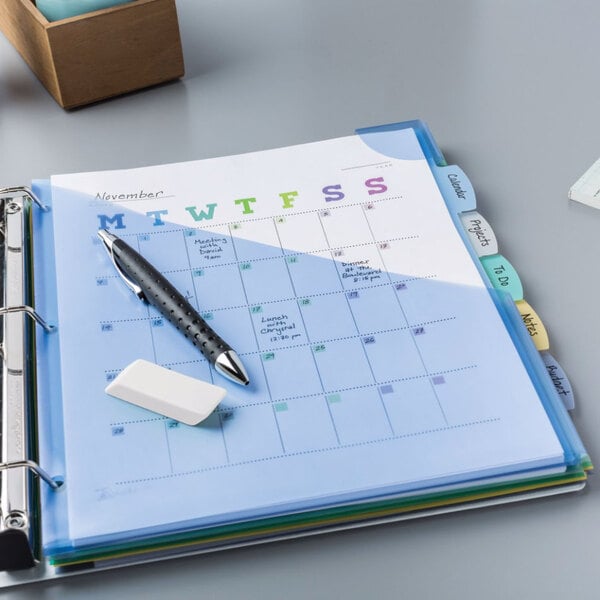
134, 287
108, 240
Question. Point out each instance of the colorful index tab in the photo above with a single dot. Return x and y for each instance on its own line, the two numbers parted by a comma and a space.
503, 275
480, 233
456, 188
534, 325
560, 380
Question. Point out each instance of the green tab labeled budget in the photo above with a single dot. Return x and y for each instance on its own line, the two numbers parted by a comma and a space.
503, 275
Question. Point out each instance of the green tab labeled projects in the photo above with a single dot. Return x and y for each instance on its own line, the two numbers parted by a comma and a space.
503, 275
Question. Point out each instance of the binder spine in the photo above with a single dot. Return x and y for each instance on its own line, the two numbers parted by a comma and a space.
18, 492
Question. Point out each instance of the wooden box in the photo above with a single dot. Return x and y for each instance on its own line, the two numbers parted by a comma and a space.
97, 55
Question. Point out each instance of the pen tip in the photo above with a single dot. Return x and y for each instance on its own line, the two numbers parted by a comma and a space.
229, 365
106, 237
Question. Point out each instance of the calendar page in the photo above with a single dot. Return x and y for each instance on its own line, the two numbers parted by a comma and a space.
378, 361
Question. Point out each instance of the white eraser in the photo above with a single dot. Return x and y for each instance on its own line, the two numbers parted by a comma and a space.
587, 188
166, 392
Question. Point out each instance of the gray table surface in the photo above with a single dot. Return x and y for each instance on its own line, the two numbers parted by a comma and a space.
510, 90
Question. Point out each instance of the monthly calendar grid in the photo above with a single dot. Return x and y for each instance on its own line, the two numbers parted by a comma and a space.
329, 396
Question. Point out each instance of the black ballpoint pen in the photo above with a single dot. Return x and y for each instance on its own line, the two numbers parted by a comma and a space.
152, 287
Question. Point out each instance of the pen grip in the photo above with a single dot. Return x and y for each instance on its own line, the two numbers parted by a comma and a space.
169, 302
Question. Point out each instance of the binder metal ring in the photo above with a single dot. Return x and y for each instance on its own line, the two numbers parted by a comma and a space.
33, 466
31, 312
24, 191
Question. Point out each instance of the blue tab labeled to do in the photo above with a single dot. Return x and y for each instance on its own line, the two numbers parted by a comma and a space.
503, 275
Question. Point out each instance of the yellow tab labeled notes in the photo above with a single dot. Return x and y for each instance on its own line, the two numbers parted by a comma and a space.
534, 325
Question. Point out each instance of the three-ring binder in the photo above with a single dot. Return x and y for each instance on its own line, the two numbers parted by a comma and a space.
45, 415
19, 514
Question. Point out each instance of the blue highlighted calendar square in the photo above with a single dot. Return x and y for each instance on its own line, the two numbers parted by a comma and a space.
210, 284
413, 407
196, 448
306, 425
342, 364
251, 433
292, 372
117, 335
136, 441
327, 317
384, 351
376, 309
437, 336
266, 280
359, 416
426, 300
462, 408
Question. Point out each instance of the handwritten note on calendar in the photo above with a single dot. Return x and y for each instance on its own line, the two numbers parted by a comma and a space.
377, 359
